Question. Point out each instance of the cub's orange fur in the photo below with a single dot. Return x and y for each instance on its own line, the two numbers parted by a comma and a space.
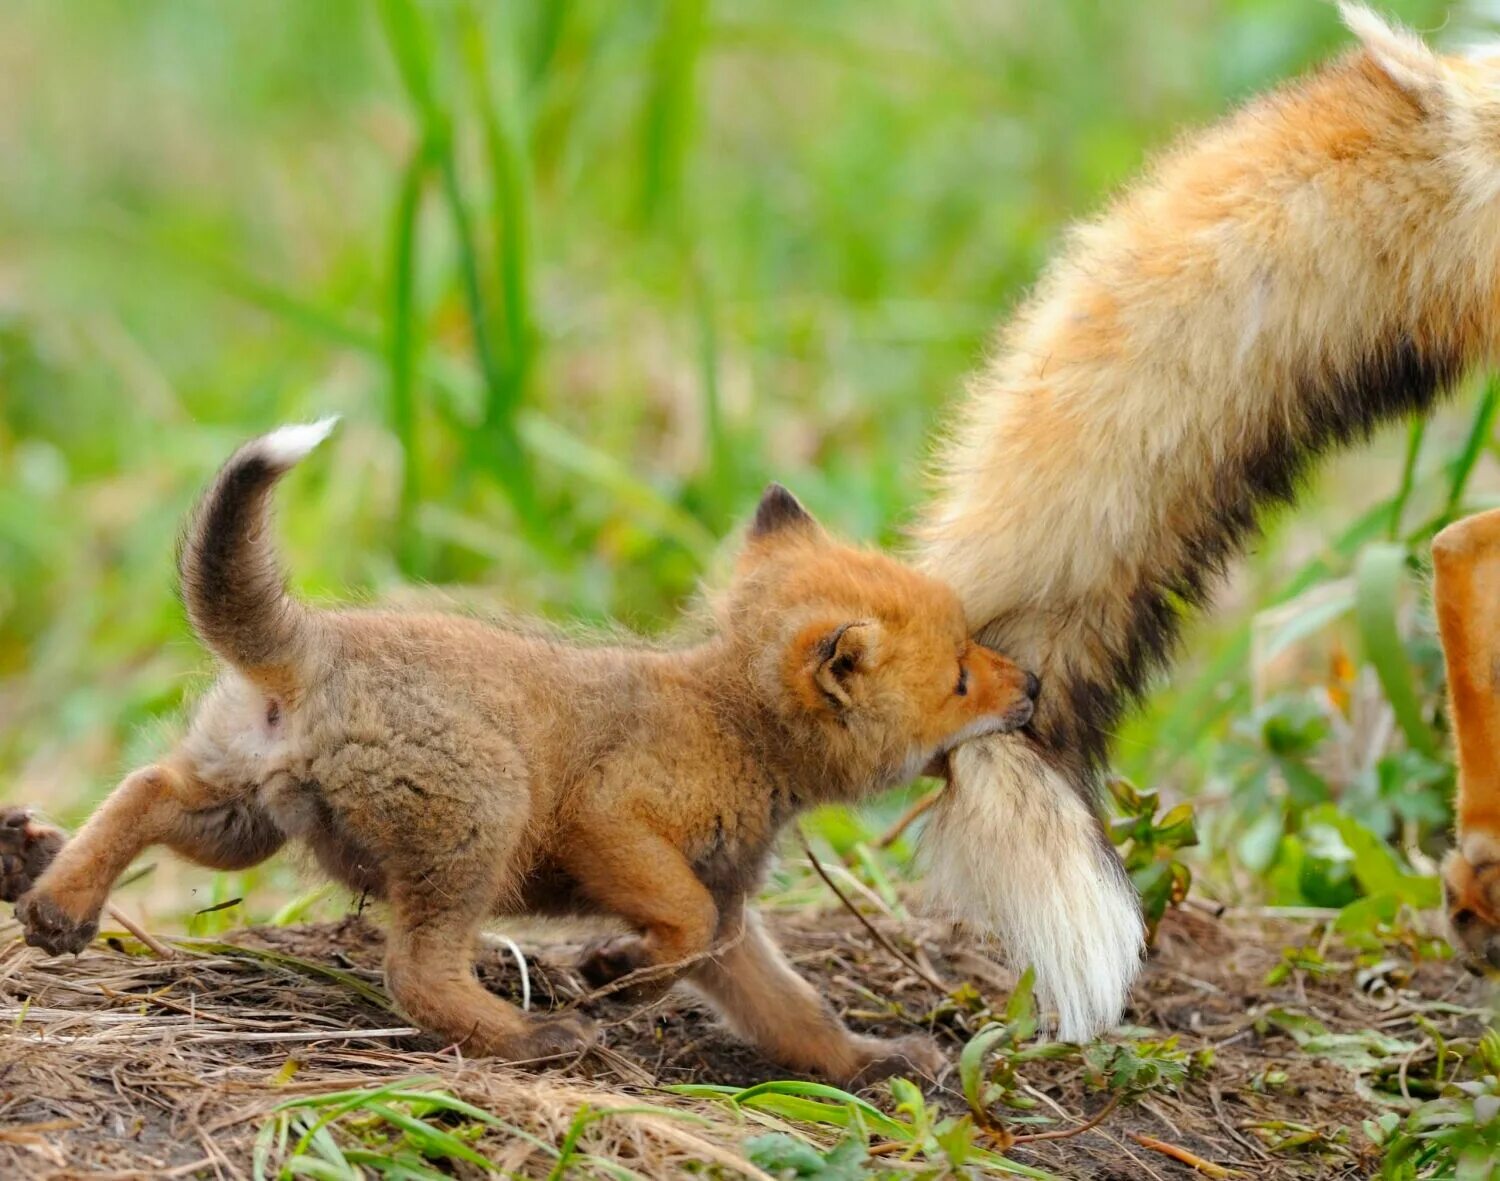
1324, 260
462, 771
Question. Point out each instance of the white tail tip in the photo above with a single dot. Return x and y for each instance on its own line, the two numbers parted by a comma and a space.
287, 445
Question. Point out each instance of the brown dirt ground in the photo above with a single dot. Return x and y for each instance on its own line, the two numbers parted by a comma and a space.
118, 1063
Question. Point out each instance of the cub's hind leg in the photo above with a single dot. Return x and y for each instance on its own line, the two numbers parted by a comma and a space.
1466, 597
166, 803
429, 970
782, 1015
449, 857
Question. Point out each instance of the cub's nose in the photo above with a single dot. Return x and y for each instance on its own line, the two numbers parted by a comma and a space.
1033, 686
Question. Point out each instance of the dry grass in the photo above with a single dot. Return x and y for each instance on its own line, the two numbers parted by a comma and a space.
119, 1063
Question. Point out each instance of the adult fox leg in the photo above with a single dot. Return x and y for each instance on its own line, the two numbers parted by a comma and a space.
1466, 595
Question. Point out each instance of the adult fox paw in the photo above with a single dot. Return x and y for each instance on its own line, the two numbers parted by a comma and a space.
1471, 896
881, 1058
26, 849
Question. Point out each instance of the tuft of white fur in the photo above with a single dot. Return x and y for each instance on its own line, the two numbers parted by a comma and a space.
1014, 853
1403, 55
1480, 848
288, 445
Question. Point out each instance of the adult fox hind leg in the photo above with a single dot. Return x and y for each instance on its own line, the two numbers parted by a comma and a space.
1466, 595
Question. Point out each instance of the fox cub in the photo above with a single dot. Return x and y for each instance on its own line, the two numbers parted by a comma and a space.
462, 771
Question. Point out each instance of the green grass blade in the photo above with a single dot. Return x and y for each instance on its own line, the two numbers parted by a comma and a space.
295, 964
411, 44
354, 1095
271, 1137
318, 1170
547, 439
398, 1167
403, 345
723, 466
296, 909
800, 1089
510, 212
429, 1140
497, 446
442, 1101
551, 20
569, 1145
1474, 446
669, 109
1377, 583
1414, 436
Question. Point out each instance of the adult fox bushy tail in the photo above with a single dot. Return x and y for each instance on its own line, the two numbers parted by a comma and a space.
1323, 261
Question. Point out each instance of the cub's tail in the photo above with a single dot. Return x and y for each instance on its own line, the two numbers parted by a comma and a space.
232, 584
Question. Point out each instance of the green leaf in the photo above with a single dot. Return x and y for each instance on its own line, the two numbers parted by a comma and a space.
971, 1071
1378, 577
1375, 863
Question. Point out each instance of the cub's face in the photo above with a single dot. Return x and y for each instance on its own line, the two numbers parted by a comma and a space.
872, 651
902, 680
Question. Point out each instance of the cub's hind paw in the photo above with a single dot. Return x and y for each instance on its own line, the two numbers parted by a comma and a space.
883, 1058
1471, 897
50, 927
26, 849
554, 1034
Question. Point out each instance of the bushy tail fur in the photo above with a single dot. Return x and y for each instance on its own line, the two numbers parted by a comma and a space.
232, 584
1300, 273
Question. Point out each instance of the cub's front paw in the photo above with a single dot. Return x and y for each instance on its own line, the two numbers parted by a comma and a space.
881, 1058
1471, 895
48, 926
26, 849
611, 960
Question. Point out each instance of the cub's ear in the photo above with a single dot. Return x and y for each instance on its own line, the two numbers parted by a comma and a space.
830, 661
780, 512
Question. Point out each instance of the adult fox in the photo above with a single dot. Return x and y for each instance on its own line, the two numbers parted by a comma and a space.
1323, 261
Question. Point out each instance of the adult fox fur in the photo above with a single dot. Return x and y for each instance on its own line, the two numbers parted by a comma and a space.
1324, 260
1466, 598
462, 771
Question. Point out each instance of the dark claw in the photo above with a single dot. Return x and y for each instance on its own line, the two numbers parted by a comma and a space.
51, 928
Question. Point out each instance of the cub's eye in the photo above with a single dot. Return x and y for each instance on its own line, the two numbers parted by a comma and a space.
962, 689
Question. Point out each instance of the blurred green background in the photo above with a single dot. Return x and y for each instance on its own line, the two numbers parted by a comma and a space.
581, 276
